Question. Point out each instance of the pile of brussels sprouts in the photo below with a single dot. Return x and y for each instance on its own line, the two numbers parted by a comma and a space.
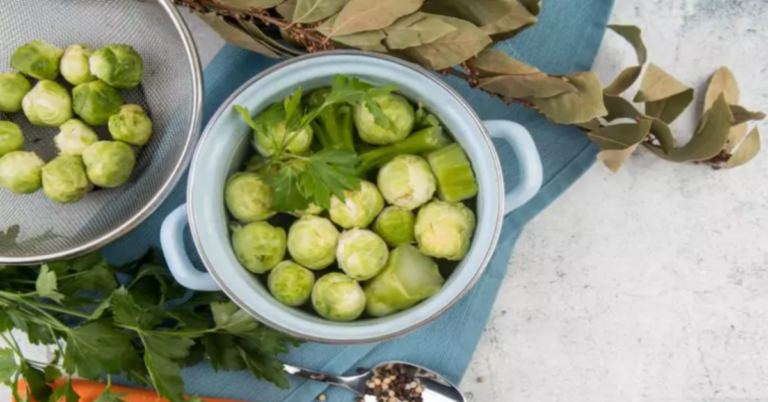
84, 160
375, 251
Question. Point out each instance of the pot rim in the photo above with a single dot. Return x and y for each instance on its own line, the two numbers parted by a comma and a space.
226, 104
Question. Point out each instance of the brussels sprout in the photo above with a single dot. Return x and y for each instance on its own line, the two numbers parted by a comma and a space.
408, 278
11, 138
74, 64
109, 164
407, 181
259, 246
118, 65
48, 104
444, 229
248, 197
37, 59
74, 137
271, 137
312, 242
399, 112
359, 207
20, 172
361, 254
13, 87
64, 179
95, 102
395, 226
290, 283
131, 125
338, 297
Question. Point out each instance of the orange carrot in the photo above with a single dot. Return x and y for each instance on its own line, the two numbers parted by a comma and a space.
90, 390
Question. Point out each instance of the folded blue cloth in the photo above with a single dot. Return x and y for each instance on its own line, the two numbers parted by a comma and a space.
565, 40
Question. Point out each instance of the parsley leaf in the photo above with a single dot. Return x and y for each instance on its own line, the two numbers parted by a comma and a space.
228, 317
65, 393
160, 354
98, 347
47, 286
108, 396
127, 312
35, 381
8, 366
285, 183
222, 352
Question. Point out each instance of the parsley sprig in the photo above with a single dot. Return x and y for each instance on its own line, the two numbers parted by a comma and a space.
134, 321
300, 180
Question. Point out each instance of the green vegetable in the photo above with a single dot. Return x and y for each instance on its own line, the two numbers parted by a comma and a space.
333, 126
361, 254
290, 283
396, 114
74, 64
407, 181
312, 209
37, 59
95, 102
109, 164
131, 125
145, 331
48, 104
118, 65
444, 230
408, 278
455, 178
74, 137
21, 172
248, 197
273, 135
11, 138
312, 242
338, 297
359, 207
395, 226
426, 140
259, 246
64, 179
13, 87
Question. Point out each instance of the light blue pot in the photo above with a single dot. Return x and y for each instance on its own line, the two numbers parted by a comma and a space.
226, 142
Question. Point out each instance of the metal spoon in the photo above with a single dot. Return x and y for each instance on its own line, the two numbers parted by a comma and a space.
436, 388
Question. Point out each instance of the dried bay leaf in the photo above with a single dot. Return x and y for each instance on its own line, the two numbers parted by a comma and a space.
619, 108
580, 106
592, 125
620, 136
256, 33
658, 85
243, 4
492, 62
742, 115
236, 36
746, 151
370, 40
614, 159
500, 18
633, 35
307, 11
519, 86
669, 109
663, 134
722, 82
368, 15
452, 49
415, 30
625, 80
534, 6
287, 9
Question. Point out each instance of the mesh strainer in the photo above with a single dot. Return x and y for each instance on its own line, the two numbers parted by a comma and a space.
36, 229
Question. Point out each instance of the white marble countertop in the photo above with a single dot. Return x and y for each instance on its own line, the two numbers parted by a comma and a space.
650, 284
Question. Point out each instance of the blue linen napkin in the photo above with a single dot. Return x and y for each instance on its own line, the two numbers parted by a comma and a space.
565, 40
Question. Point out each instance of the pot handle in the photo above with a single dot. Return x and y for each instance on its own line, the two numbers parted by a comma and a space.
172, 242
531, 173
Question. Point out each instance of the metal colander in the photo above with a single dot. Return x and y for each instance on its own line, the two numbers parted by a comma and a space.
34, 229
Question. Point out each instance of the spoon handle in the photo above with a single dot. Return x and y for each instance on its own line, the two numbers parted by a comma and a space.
351, 383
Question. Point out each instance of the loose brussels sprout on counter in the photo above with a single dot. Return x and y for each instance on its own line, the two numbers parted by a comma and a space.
65, 180
312, 242
48, 104
74, 137
95, 102
118, 65
131, 125
361, 254
338, 297
359, 207
74, 64
21, 172
37, 59
11, 138
290, 283
397, 110
444, 229
13, 87
407, 181
109, 164
408, 278
270, 135
248, 197
395, 226
259, 246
